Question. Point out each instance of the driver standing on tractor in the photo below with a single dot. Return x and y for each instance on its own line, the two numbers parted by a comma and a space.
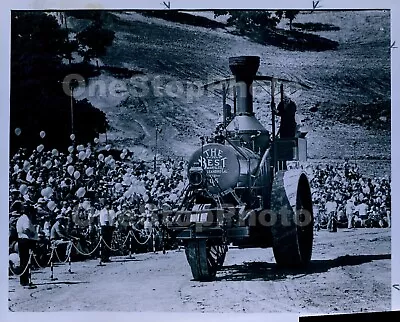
287, 111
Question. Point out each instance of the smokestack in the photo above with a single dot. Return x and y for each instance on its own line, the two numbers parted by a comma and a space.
244, 68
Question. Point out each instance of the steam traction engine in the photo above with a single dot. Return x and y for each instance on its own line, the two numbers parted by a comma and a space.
240, 190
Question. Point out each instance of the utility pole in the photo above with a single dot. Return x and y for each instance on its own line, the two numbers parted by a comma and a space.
273, 122
72, 109
155, 155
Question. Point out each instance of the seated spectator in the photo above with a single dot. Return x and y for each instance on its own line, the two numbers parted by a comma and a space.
59, 236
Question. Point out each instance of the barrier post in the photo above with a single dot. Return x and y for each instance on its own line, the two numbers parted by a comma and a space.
52, 266
100, 248
69, 259
130, 244
52, 272
30, 284
163, 240
154, 240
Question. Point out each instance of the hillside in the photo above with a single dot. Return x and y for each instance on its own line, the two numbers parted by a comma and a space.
358, 72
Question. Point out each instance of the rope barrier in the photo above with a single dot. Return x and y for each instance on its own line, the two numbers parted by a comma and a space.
69, 249
109, 247
87, 254
37, 263
23, 272
68, 253
126, 239
140, 242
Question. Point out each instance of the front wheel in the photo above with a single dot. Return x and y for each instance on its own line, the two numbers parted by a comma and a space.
205, 258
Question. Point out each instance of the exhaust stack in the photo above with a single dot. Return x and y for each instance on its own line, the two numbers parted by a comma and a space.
244, 126
244, 68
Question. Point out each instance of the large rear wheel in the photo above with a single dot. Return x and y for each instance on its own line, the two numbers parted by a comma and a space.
293, 231
205, 258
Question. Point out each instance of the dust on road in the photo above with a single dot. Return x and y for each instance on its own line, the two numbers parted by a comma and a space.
349, 272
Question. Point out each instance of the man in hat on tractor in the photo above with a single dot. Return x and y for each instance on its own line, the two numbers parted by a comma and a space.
287, 111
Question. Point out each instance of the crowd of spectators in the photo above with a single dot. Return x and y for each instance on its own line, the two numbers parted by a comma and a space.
88, 192
72, 193
342, 193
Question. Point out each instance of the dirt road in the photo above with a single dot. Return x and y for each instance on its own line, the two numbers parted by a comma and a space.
350, 272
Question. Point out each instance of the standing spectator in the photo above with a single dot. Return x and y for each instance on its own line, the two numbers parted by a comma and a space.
362, 209
350, 212
106, 224
148, 229
92, 234
148, 225
389, 218
341, 217
47, 227
316, 212
331, 207
27, 238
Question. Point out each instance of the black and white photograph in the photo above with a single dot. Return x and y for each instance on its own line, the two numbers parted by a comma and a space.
200, 161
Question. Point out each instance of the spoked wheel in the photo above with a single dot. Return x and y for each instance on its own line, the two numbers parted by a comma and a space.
217, 254
205, 258
293, 231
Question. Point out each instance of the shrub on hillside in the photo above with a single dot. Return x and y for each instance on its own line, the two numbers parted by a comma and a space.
184, 18
315, 26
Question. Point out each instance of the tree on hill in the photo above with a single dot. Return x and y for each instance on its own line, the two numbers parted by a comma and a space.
291, 15
261, 27
247, 21
94, 40
37, 99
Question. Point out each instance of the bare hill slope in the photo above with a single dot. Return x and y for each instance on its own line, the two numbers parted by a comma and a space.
357, 72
